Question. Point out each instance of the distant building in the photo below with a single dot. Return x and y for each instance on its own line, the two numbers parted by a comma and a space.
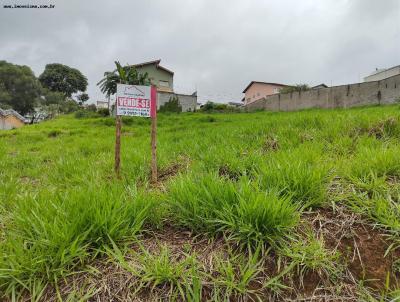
258, 90
163, 79
159, 76
10, 119
320, 86
381, 74
102, 104
235, 104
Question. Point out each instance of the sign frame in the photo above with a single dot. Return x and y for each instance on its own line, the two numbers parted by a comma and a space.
140, 101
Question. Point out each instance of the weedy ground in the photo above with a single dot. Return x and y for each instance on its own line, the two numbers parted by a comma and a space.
300, 206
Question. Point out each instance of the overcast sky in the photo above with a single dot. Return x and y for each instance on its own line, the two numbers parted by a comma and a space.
214, 46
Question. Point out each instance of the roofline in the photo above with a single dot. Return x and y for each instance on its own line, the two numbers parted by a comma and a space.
176, 93
13, 113
322, 84
154, 62
384, 70
258, 82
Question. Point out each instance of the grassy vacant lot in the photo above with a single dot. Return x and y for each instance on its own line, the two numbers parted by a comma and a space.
251, 206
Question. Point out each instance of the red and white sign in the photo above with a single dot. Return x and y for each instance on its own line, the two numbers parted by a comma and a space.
135, 100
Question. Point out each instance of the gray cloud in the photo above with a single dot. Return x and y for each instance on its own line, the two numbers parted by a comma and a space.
216, 47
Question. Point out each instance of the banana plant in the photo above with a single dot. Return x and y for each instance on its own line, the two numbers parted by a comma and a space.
122, 74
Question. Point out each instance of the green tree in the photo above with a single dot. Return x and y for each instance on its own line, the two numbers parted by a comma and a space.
53, 97
82, 98
211, 106
19, 88
122, 74
171, 106
62, 78
69, 106
295, 88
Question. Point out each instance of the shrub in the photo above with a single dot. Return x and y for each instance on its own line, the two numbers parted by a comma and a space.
69, 106
91, 107
171, 106
85, 114
81, 114
295, 88
211, 106
103, 111
217, 107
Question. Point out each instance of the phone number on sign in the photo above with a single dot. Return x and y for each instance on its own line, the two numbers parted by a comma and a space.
133, 102
134, 112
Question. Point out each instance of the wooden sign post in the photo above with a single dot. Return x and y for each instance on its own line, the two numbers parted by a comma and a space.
118, 126
153, 114
133, 100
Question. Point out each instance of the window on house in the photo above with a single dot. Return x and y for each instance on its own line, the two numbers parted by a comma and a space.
276, 90
164, 83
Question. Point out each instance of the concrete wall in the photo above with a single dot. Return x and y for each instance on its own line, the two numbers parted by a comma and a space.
344, 96
384, 74
188, 102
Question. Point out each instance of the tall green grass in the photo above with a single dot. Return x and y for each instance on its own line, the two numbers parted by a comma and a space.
214, 205
51, 233
245, 176
300, 174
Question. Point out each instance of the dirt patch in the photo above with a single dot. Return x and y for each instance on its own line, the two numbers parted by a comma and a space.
168, 172
108, 281
13, 154
383, 128
306, 137
362, 248
54, 133
164, 174
380, 130
226, 172
270, 144
128, 133
29, 180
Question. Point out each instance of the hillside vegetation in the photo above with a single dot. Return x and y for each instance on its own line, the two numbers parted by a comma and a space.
249, 206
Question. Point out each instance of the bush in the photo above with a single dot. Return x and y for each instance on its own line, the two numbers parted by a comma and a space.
91, 107
217, 107
69, 106
81, 114
86, 114
103, 111
211, 106
296, 88
171, 106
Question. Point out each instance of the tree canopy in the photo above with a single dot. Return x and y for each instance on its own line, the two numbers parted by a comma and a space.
295, 88
62, 78
82, 98
123, 74
19, 88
